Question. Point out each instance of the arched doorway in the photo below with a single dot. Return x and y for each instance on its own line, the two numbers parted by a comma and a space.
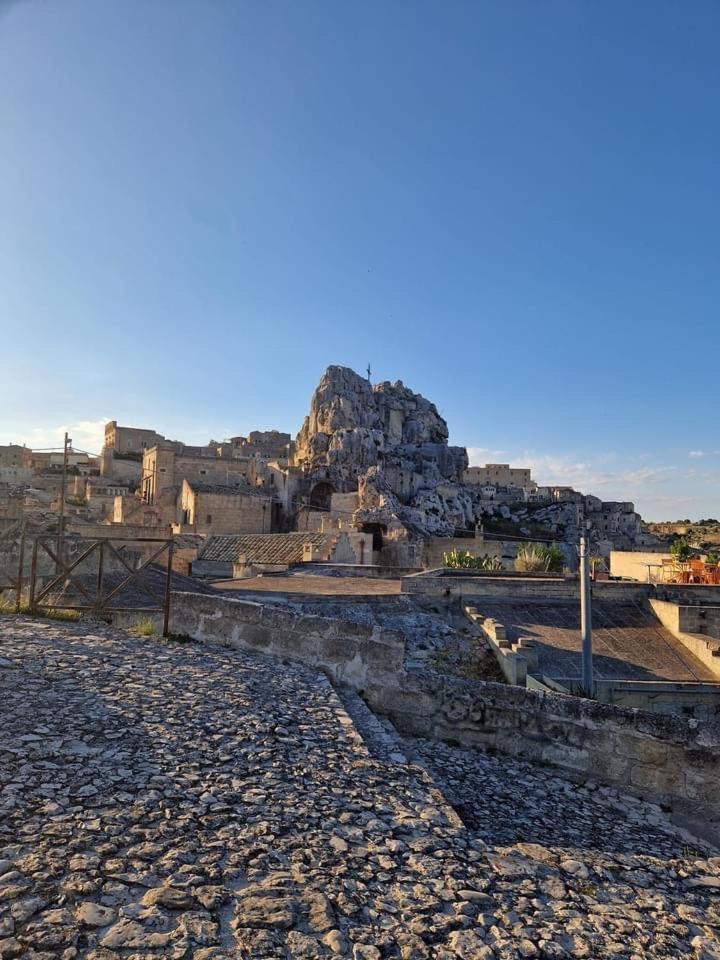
377, 530
321, 495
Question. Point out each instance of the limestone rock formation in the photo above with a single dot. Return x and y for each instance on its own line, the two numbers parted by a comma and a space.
391, 446
389, 443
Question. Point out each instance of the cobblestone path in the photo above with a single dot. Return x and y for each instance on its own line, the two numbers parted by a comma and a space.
167, 800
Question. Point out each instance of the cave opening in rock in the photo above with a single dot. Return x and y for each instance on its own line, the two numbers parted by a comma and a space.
321, 495
377, 530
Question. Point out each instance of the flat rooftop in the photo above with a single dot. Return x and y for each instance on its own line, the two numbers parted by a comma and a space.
313, 586
628, 641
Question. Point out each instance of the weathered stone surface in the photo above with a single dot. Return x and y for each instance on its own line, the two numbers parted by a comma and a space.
391, 445
236, 812
387, 442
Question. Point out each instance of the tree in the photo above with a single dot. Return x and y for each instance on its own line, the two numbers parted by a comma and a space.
680, 550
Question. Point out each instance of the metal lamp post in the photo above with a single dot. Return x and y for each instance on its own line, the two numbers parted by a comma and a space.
586, 618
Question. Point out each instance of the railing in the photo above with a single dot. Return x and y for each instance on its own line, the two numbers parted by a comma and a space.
97, 597
11, 573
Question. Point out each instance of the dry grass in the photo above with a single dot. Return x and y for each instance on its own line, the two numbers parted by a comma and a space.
143, 628
47, 613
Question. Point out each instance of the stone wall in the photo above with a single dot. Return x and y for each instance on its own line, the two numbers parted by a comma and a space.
110, 531
667, 759
688, 593
664, 696
352, 653
373, 571
512, 587
513, 659
689, 624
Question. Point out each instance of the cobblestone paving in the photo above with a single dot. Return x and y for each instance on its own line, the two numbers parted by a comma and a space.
168, 800
507, 801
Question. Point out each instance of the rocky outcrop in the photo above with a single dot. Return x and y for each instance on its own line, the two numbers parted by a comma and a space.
391, 445
353, 423
386, 441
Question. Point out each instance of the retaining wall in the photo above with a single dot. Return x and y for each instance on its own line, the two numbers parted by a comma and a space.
372, 571
539, 588
668, 759
352, 653
688, 593
689, 625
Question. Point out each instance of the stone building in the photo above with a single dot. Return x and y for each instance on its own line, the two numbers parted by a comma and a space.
130, 439
134, 511
123, 450
15, 475
13, 455
100, 494
500, 475
215, 508
164, 468
77, 461
264, 444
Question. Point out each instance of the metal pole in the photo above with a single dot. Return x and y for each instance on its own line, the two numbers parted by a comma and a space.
98, 587
61, 525
33, 575
586, 619
168, 586
21, 564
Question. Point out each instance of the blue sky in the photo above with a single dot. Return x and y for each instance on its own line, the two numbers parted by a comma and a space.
511, 206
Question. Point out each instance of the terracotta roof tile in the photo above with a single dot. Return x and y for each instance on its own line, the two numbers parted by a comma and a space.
261, 548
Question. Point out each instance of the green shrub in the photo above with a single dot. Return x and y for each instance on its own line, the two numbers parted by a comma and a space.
539, 558
464, 560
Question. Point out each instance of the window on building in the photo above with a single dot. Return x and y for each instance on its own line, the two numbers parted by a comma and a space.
208, 518
203, 472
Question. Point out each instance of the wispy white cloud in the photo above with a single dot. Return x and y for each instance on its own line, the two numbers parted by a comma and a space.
479, 456
701, 454
590, 475
86, 435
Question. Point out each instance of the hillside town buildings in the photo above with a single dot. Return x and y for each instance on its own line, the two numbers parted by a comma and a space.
500, 475
370, 460
216, 508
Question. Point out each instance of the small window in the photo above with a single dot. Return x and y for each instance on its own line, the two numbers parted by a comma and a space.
162, 469
208, 518
203, 472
